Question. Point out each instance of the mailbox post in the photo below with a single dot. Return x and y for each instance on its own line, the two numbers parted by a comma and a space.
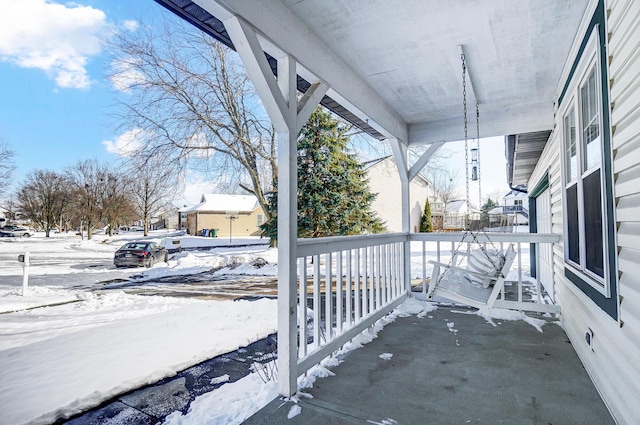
24, 259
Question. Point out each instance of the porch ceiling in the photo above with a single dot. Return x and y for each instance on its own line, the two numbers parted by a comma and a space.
398, 64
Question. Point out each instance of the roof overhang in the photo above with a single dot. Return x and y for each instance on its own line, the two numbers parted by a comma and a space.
394, 68
523, 152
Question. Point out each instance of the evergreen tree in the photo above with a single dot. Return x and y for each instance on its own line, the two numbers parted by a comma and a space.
333, 192
489, 205
425, 221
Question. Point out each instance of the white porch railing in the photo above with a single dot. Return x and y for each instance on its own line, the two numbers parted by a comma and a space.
345, 284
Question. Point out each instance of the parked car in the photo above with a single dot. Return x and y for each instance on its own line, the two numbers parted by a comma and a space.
14, 231
141, 253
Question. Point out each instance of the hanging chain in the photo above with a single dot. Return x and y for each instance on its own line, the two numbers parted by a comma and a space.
466, 143
478, 151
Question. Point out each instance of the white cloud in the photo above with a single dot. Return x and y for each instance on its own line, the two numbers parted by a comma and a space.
128, 143
130, 25
56, 38
124, 74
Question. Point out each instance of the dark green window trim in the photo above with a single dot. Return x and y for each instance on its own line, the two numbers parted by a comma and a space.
607, 304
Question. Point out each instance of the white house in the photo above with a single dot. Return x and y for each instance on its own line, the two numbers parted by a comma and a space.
558, 78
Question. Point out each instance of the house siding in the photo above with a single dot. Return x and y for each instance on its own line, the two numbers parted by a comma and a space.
610, 359
384, 180
245, 225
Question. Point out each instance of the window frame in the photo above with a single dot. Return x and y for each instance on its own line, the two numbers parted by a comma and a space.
572, 104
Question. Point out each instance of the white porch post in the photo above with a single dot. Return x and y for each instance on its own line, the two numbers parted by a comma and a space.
287, 115
400, 156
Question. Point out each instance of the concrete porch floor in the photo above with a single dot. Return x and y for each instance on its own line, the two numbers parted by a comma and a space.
453, 368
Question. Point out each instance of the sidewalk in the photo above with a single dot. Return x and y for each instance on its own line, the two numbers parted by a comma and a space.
150, 405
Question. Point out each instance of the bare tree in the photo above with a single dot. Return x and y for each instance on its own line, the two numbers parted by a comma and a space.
87, 181
42, 198
152, 185
191, 101
6, 166
443, 183
117, 200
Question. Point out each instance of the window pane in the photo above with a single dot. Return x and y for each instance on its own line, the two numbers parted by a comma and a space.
590, 123
573, 235
594, 236
570, 146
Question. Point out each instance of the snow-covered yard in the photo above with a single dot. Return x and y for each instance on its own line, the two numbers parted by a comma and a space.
91, 344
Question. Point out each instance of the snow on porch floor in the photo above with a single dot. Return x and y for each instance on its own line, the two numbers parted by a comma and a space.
452, 367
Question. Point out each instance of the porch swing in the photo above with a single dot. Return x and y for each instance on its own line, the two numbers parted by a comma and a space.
481, 282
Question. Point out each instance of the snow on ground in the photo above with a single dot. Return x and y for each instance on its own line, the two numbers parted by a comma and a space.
66, 346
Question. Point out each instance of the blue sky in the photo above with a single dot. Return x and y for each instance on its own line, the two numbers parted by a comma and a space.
55, 100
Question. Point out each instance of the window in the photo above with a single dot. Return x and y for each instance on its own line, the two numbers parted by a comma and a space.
584, 197
260, 220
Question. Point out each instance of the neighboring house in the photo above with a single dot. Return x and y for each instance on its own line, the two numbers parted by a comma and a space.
182, 217
515, 208
383, 180
215, 211
456, 215
166, 220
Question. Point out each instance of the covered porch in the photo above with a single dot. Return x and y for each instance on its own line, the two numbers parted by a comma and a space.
451, 366
394, 70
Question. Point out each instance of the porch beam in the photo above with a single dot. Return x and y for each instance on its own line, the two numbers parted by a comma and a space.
285, 32
527, 117
248, 47
423, 160
308, 103
279, 96
400, 151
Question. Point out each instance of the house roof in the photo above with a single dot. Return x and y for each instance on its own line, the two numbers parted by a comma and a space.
396, 66
222, 203
522, 153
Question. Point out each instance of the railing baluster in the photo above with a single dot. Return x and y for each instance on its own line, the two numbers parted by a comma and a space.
339, 292
378, 301
356, 287
302, 306
348, 294
519, 273
424, 267
317, 328
328, 296
365, 266
385, 276
372, 281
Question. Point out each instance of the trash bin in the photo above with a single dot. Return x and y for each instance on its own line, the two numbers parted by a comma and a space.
213, 233
205, 233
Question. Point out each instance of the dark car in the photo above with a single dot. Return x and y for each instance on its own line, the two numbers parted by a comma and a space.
136, 254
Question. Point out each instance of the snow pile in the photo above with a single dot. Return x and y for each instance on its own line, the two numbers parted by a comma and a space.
512, 315
232, 403
13, 300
